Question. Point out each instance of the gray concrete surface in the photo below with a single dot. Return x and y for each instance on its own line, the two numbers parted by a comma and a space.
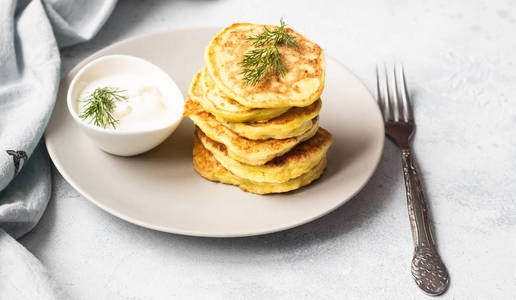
460, 60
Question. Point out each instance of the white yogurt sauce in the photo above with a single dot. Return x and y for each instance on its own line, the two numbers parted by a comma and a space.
146, 105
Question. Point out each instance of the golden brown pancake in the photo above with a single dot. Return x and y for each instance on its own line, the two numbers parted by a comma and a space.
292, 123
208, 167
225, 108
252, 152
301, 86
204, 91
294, 163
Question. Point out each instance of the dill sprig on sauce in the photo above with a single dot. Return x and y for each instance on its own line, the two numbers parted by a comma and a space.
265, 58
99, 106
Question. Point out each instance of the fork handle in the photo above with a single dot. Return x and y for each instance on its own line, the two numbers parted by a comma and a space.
428, 269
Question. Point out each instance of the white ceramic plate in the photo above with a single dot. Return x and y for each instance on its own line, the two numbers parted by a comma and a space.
161, 190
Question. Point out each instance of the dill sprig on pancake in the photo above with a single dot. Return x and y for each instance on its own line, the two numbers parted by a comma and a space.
265, 58
99, 106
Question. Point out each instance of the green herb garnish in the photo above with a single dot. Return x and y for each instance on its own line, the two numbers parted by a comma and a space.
265, 59
99, 106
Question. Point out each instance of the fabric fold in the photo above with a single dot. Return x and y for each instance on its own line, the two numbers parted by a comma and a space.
22, 275
26, 197
30, 34
78, 22
28, 86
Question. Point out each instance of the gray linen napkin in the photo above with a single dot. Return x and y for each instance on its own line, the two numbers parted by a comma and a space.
31, 33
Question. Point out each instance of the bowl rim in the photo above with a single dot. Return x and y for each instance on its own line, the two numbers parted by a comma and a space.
113, 131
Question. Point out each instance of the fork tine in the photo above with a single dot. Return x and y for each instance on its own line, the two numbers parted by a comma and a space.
409, 114
387, 98
402, 100
397, 109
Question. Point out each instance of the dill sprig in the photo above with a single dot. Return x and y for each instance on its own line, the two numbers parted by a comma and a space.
99, 106
265, 58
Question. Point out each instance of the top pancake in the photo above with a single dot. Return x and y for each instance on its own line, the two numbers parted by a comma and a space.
204, 90
302, 84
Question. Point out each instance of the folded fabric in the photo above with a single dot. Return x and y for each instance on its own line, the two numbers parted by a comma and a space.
22, 276
30, 34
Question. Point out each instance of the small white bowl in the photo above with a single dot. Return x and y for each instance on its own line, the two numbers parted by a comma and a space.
125, 142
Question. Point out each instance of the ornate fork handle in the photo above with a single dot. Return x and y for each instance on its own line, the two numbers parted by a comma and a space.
428, 270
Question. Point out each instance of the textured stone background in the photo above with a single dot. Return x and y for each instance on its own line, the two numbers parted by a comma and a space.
460, 58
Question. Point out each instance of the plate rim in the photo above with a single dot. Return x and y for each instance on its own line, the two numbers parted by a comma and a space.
194, 233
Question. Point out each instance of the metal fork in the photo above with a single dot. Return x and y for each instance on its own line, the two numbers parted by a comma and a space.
427, 268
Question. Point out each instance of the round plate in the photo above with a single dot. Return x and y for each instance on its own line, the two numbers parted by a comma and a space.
160, 189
